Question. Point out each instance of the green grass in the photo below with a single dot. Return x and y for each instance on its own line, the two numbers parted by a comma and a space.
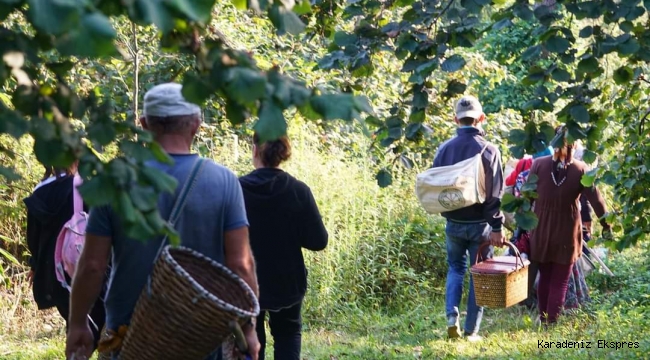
620, 312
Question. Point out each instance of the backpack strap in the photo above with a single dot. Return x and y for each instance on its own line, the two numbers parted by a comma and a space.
77, 201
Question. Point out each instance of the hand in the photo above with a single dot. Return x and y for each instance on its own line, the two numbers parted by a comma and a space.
252, 341
587, 226
79, 343
497, 238
30, 277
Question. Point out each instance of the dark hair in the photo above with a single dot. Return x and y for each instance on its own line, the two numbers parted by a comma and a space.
272, 153
467, 121
171, 124
58, 172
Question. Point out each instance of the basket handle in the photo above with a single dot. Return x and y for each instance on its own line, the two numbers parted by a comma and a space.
479, 257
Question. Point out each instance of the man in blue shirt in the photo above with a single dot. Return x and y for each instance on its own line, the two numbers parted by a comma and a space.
213, 222
469, 227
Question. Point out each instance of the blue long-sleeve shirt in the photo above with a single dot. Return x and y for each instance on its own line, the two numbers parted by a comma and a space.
465, 145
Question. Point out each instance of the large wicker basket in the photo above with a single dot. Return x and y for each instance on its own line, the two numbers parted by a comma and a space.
184, 311
502, 281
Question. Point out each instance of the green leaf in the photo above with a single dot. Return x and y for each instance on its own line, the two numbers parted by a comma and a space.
455, 87
579, 113
517, 136
102, 132
557, 44
195, 89
589, 156
561, 75
93, 38
236, 113
453, 63
7, 6
53, 153
285, 20
245, 85
160, 180
623, 75
240, 4
9, 174
526, 220
588, 180
384, 178
53, 17
335, 106
629, 47
98, 191
531, 53
197, 10
342, 38
588, 65
152, 11
302, 7
160, 154
271, 124
144, 198
586, 31
12, 123
136, 151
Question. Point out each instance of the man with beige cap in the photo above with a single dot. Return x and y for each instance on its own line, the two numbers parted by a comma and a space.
469, 227
213, 222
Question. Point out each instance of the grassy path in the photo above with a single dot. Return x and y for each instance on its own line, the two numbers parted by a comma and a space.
620, 313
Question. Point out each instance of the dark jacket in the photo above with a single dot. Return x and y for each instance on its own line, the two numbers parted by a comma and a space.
469, 142
48, 209
283, 219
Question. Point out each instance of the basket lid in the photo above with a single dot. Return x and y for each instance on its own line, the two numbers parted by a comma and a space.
498, 265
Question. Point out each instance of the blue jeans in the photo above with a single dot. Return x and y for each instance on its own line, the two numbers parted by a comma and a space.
461, 239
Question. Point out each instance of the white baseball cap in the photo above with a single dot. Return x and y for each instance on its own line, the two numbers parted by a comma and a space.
167, 100
468, 107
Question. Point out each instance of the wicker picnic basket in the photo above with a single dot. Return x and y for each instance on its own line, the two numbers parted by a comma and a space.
185, 309
502, 281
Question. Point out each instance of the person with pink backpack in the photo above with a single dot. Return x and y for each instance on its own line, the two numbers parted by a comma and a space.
50, 208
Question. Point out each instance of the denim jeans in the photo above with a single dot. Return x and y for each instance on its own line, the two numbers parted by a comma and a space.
461, 239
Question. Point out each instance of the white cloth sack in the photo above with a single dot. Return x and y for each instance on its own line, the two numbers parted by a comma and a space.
453, 187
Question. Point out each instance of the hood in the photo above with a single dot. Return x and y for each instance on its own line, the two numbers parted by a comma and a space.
48, 200
266, 183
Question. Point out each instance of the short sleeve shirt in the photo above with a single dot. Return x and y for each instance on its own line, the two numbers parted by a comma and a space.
214, 206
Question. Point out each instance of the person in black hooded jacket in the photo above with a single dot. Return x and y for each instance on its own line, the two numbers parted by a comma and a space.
284, 218
49, 207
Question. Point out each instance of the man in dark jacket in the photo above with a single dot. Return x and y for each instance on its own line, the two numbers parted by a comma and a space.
469, 227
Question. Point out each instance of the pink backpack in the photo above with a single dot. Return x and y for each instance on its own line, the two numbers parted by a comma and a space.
71, 238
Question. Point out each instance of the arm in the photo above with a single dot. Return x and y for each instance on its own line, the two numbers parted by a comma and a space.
597, 202
585, 209
89, 277
494, 191
313, 235
33, 234
239, 257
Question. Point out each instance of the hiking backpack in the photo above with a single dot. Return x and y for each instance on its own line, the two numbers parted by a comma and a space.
71, 238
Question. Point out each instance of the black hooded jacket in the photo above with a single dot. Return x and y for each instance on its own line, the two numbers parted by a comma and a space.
48, 209
284, 218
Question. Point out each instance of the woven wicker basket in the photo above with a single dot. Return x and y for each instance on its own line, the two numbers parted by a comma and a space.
183, 312
500, 282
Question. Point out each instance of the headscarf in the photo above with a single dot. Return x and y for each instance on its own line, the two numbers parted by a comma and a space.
562, 154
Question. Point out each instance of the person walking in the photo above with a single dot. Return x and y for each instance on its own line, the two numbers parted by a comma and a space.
556, 242
213, 223
469, 227
49, 207
284, 219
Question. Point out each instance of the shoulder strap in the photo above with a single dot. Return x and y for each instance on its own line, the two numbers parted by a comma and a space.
484, 147
181, 199
77, 201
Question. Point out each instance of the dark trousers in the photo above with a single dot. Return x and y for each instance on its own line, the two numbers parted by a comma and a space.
286, 327
551, 291
97, 314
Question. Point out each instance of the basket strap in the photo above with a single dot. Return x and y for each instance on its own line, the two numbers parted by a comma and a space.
181, 199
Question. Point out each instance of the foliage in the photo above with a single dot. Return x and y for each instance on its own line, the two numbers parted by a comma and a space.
38, 59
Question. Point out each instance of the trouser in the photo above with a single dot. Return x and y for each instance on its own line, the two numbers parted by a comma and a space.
551, 291
286, 329
461, 240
